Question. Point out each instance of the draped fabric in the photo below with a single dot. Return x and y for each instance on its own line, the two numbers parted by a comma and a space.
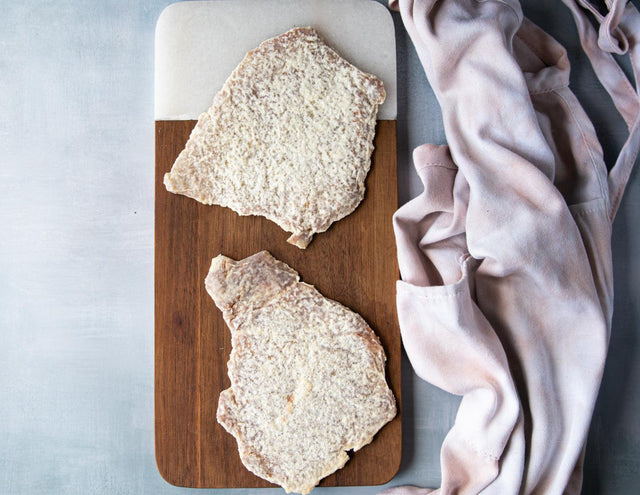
506, 289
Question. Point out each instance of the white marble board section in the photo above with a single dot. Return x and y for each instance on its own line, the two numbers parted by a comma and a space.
199, 43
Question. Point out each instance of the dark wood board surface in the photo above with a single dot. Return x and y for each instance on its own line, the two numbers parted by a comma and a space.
354, 262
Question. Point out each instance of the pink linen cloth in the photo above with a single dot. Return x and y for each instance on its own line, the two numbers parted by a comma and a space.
505, 258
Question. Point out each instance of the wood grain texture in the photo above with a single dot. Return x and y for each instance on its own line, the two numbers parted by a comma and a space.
354, 262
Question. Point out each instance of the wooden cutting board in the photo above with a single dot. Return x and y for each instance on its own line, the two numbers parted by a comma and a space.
354, 262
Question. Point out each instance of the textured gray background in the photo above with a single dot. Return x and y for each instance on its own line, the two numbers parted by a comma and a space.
76, 258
